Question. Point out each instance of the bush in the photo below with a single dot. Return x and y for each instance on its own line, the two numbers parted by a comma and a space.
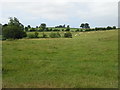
55, 35
62, 29
50, 29
56, 30
36, 34
33, 35
77, 30
44, 35
68, 35
109, 28
114, 27
13, 32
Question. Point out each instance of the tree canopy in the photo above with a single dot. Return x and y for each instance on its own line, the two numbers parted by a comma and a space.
14, 29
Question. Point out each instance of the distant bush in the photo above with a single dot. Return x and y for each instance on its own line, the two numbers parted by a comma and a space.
33, 35
114, 27
62, 29
36, 34
56, 30
44, 35
81, 30
55, 35
32, 29
50, 29
47, 29
68, 28
68, 35
77, 30
109, 28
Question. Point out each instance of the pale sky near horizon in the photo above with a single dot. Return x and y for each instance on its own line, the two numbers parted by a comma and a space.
98, 13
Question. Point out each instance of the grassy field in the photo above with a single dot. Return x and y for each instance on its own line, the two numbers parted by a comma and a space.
88, 60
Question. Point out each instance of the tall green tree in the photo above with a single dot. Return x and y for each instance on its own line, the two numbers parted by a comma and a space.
68, 28
26, 29
82, 25
85, 25
43, 26
14, 29
29, 26
114, 27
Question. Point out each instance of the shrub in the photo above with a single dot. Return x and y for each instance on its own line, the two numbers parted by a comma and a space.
77, 30
36, 34
108, 28
31, 35
55, 35
50, 29
81, 30
13, 32
62, 29
68, 28
114, 27
44, 35
68, 35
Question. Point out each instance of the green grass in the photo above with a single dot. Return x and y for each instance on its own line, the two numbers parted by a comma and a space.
89, 60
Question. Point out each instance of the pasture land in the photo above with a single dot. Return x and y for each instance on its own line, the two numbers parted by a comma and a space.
88, 60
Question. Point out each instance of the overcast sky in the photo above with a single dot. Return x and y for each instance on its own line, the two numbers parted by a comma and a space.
98, 13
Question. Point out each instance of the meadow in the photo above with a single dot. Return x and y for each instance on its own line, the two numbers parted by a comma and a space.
88, 60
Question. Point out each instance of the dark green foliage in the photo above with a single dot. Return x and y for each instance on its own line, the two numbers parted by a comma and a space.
99, 28
56, 30
29, 26
86, 25
26, 29
108, 28
33, 35
68, 28
77, 30
62, 29
81, 30
68, 35
82, 25
13, 32
114, 27
40, 30
4, 25
43, 26
14, 29
36, 26
36, 34
55, 35
50, 29
47, 29
44, 35
32, 29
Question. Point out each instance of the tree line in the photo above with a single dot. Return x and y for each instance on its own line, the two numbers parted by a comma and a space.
16, 30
